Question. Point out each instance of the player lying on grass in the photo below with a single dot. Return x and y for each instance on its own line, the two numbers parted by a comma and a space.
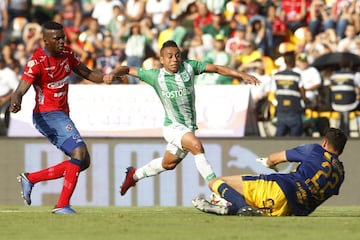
318, 176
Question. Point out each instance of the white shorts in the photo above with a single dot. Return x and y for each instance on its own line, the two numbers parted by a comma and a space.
173, 135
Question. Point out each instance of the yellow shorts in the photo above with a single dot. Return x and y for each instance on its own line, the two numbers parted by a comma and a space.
265, 195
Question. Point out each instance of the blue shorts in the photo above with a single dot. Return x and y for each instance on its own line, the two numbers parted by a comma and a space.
59, 129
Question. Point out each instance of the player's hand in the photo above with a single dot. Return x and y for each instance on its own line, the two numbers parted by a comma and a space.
264, 162
250, 79
108, 78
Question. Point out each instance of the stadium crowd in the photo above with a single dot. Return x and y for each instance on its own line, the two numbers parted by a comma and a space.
249, 35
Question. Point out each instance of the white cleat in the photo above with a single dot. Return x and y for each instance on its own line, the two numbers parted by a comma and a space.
207, 207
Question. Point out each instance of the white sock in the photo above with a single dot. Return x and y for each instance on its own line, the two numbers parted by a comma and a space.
152, 168
204, 167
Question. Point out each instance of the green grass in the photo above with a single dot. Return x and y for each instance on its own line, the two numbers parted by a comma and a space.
167, 223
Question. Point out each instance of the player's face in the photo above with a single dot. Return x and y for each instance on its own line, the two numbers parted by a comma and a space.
171, 58
54, 41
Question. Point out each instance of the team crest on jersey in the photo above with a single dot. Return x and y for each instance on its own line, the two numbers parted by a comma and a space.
30, 64
67, 68
68, 127
185, 76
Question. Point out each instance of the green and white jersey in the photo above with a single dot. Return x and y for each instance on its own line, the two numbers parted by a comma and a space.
176, 91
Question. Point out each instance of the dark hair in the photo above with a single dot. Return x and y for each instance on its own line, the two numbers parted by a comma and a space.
52, 26
169, 43
289, 58
336, 138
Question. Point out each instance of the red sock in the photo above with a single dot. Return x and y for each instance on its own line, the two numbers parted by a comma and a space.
70, 179
50, 173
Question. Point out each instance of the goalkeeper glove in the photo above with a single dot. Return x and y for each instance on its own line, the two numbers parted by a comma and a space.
263, 161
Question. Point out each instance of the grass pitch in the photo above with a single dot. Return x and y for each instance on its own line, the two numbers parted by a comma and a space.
172, 223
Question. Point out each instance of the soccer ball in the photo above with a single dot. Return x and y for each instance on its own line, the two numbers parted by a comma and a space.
217, 200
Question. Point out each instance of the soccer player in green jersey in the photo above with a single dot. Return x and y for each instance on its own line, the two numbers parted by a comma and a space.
174, 84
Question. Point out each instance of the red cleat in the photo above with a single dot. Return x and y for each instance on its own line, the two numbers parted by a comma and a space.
129, 180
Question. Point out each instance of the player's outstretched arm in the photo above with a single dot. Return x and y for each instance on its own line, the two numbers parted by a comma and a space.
227, 71
94, 76
123, 70
273, 159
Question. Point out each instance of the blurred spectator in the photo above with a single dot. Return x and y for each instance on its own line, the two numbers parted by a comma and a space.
277, 30
289, 92
311, 79
8, 81
236, 44
318, 16
32, 37
217, 56
8, 84
294, 13
204, 16
175, 31
349, 42
310, 46
19, 8
21, 56
118, 27
103, 12
252, 8
233, 8
7, 55
217, 26
42, 10
158, 11
135, 10
217, 6
208, 32
147, 29
196, 45
341, 15
4, 19
250, 54
256, 33
325, 42
92, 38
87, 7
135, 49
109, 59
344, 93
71, 14
79, 47
187, 19
259, 94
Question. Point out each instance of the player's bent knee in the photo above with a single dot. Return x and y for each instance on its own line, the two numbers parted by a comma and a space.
84, 165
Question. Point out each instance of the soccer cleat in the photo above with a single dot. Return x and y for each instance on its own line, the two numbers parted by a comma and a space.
248, 211
63, 210
216, 199
26, 187
129, 180
205, 206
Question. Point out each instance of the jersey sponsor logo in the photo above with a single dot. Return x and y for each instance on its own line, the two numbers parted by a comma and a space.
57, 84
60, 94
49, 68
178, 93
